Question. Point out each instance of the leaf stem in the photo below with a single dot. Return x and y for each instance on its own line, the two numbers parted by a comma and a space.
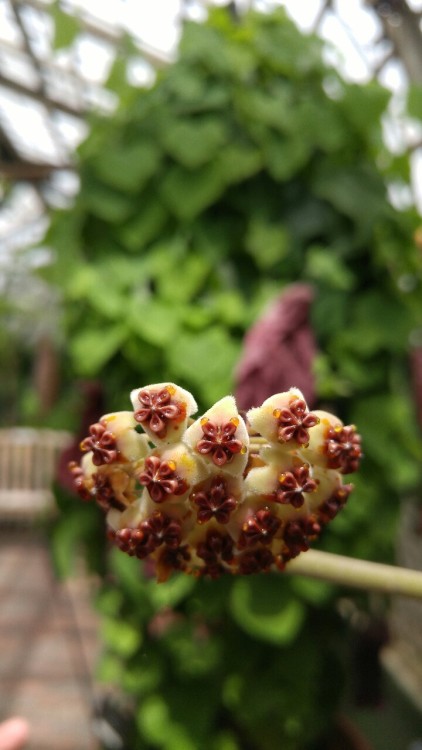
360, 574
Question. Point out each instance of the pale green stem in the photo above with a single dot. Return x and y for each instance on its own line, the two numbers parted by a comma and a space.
360, 574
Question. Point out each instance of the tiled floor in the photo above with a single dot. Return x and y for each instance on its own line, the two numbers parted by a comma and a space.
48, 646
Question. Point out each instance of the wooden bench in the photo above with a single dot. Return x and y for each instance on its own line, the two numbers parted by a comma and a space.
28, 461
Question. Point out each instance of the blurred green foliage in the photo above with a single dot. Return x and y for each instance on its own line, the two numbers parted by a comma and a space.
249, 164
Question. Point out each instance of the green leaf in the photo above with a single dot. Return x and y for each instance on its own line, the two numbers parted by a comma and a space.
184, 279
121, 637
225, 741
364, 106
272, 107
325, 266
105, 203
238, 162
206, 360
203, 44
267, 242
117, 77
263, 608
109, 601
374, 326
159, 728
128, 572
390, 438
192, 656
194, 142
312, 591
64, 541
143, 678
91, 348
187, 193
285, 156
110, 670
155, 321
171, 592
357, 192
127, 167
66, 27
146, 225
414, 101
285, 50
230, 307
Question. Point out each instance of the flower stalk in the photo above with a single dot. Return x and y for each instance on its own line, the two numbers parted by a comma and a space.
361, 574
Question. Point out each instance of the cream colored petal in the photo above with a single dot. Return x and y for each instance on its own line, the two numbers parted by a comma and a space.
328, 481
87, 465
175, 427
262, 418
219, 414
119, 422
133, 446
315, 451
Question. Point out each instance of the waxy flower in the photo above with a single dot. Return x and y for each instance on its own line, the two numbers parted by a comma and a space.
285, 479
210, 498
102, 443
284, 418
220, 438
334, 445
215, 500
161, 480
163, 411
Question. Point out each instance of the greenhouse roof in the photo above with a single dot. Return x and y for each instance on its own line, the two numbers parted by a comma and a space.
55, 58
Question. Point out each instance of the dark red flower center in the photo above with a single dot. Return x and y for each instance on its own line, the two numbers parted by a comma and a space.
157, 410
259, 528
102, 443
215, 502
343, 448
104, 493
216, 546
79, 482
294, 421
255, 561
292, 485
298, 534
156, 530
329, 508
219, 441
161, 480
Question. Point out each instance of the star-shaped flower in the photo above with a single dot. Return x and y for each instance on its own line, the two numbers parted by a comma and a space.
104, 493
81, 483
216, 502
292, 485
329, 509
216, 546
343, 448
297, 536
284, 418
161, 480
163, 410
294, 422
157, 409
102, 443
220, 438
158, 529
255, 561
219, 441
259, 528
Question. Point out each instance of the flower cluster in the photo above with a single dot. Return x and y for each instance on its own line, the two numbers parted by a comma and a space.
221, 494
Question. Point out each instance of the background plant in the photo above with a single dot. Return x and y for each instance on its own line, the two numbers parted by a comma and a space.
248, 165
